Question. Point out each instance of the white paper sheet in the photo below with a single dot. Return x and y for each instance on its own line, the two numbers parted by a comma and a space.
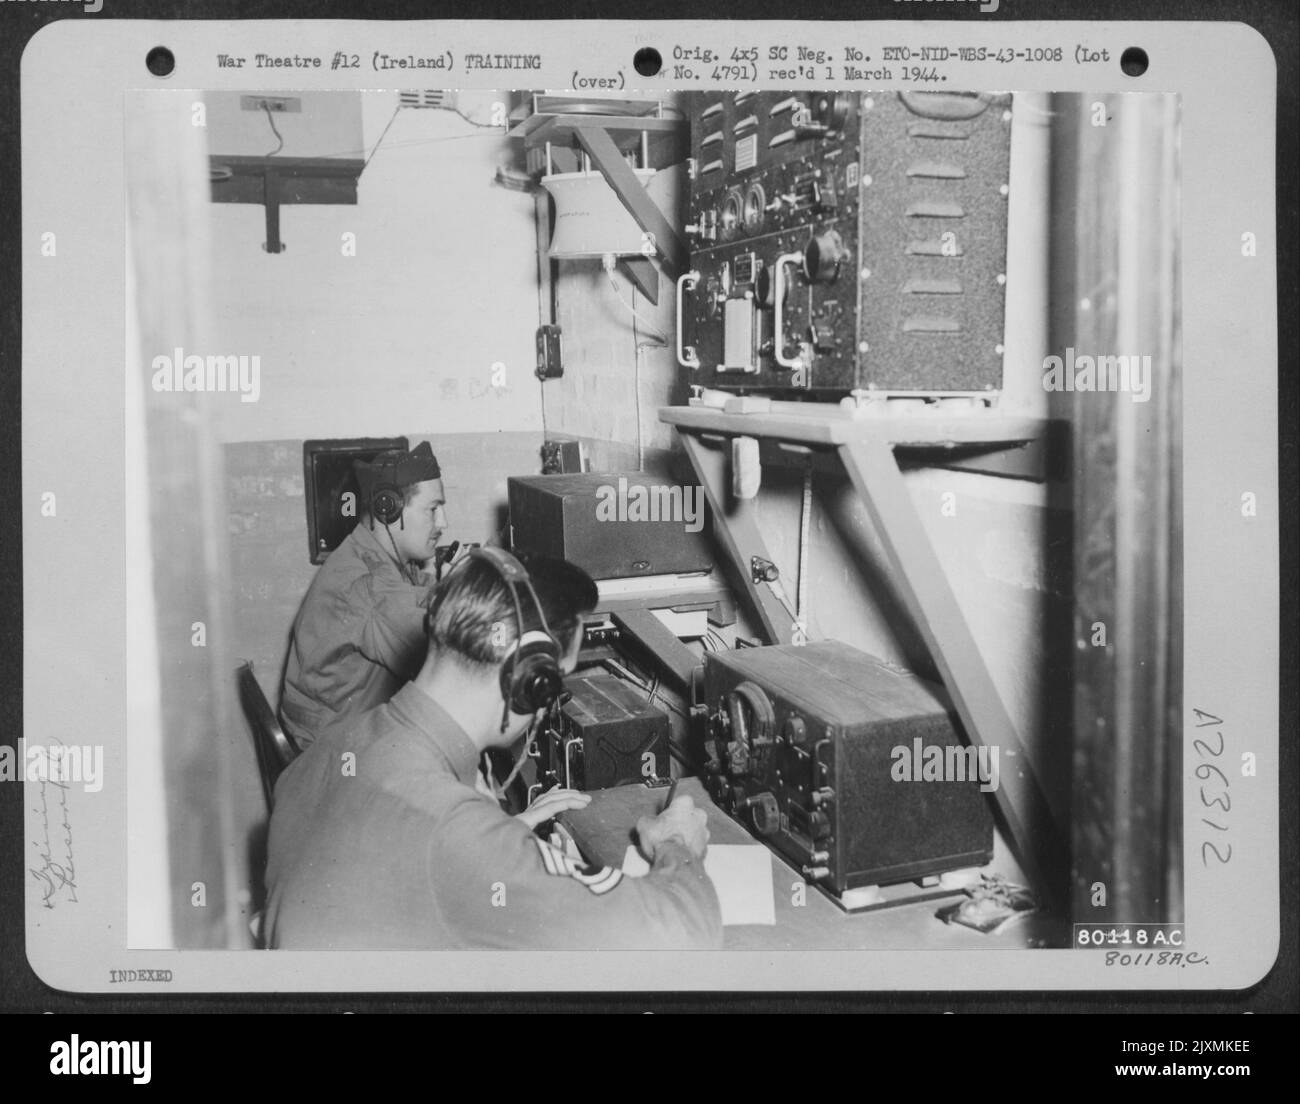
741, 873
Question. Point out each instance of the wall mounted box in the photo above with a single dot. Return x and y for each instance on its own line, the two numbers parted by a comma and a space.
327, 478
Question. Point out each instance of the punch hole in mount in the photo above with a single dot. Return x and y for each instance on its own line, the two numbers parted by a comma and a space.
160, 61
1134, 61
647, 61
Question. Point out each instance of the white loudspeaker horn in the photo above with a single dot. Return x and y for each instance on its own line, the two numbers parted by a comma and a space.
589, 219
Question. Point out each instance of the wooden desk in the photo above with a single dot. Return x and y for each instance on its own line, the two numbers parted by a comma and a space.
605, 828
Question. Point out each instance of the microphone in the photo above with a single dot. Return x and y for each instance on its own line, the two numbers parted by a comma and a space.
443, 555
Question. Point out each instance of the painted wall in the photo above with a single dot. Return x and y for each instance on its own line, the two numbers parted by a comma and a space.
430, 323
328, 125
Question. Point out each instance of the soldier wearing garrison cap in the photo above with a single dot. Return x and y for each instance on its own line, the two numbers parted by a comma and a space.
360, 632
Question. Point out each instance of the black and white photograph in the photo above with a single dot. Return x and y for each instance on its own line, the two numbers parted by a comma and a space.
703, 520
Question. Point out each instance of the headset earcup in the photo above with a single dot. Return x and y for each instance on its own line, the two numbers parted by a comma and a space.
533, 681
386, 505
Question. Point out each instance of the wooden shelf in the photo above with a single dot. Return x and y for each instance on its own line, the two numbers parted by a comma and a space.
835, 426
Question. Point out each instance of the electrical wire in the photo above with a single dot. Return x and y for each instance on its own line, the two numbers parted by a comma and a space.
805, 545
650, 689
382, 134
636, 386
778, 592
402, 565
409, 143
488, 126
519, 763
618, 669
661, 340
271, 119
639, 347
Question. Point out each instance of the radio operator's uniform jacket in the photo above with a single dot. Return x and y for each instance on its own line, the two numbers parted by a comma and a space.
358, 637
380, 840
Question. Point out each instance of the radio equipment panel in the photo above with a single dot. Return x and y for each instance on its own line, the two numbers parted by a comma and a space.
805, 745
846, 241
605, 735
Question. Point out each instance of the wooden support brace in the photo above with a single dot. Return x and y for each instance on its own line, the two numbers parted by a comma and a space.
642, 272
604, 153
929, 599
737, 532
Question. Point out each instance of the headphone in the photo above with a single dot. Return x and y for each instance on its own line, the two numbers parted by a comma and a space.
386, 505
531, 679
386, 500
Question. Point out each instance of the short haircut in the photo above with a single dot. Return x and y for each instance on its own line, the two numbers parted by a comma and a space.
472, 613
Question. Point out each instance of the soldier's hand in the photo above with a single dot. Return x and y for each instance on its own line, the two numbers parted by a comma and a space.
551, 804
682, 822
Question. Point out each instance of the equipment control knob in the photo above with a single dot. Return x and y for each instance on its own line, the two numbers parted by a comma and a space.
815, 873
823, 796
822, 257
830, 110
764, 813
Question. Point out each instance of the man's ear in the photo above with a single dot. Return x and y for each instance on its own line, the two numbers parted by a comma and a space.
570, 660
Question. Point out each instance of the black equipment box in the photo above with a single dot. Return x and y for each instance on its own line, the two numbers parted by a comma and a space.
806, 746
847, 241
330, 488
612, 526
607, 734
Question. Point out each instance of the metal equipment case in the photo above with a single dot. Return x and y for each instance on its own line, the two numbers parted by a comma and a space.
802, 743
607, 734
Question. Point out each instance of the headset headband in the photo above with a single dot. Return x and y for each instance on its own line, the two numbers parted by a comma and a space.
543, 664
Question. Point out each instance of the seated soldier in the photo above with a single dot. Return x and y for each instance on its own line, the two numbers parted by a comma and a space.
359, 634
380, 838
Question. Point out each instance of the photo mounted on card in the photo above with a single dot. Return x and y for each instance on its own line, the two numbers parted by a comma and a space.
746, 506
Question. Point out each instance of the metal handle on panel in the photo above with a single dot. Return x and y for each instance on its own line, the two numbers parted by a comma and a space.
568, 760
684, 281
779, 293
